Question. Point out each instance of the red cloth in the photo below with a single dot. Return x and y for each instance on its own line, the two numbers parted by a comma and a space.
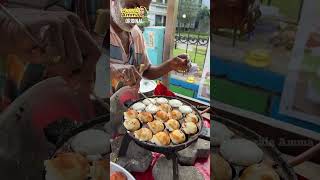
51, 100
52, 110
162, 90
301, 177
3, 1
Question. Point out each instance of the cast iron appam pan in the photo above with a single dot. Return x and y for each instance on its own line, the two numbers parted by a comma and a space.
171, 147
63, 142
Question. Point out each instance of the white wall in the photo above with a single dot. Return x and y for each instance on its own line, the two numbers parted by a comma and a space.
152, 19
156, 9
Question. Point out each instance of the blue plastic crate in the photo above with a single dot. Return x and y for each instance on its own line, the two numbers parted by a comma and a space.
248, 75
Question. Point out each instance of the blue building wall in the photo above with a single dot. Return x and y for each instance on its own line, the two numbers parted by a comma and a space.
154, 38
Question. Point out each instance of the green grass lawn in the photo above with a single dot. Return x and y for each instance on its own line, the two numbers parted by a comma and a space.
200, 58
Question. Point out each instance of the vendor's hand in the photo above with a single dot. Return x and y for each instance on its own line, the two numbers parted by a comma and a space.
126, 74
67, 45
65, 41
180, 63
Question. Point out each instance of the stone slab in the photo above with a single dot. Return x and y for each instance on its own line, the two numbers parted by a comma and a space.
162, 170
136, 159
199, 149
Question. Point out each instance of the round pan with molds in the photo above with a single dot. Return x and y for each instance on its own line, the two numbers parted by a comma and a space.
172, 130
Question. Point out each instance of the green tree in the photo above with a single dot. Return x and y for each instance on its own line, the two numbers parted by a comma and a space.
204, 12
203, 19
145, 23
188, 10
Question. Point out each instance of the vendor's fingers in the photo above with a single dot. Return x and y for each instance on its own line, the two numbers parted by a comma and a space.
127, 73
129, 80
126, 79
124, 73
183, 63
186, 65
117, 72
183, 56
180, 59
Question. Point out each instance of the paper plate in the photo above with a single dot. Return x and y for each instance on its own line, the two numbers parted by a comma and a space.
117, 168
147, 85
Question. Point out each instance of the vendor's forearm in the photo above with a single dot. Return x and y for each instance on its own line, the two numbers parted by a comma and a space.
155, 72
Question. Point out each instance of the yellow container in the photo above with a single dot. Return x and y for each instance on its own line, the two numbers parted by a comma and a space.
190, 79
258, 58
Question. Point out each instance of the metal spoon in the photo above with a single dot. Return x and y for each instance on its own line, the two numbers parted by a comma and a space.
139, 90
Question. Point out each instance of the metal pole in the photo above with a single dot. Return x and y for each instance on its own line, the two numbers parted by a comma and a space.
300, 10
179, 15
195, 54
175, 166
188, 37
124, 145
208, 41
172, 10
